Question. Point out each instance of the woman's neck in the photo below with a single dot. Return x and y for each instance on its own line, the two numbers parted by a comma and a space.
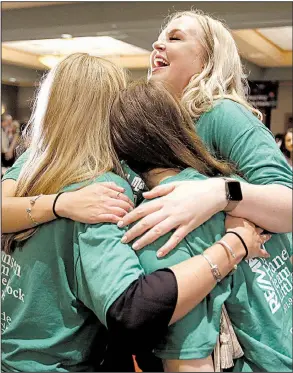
155, 176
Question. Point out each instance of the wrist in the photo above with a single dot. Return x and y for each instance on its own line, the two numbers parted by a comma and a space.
220, 191
236, 244
61, 205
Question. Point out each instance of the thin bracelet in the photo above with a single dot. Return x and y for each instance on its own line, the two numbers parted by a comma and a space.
29, 210
54, 204
227, 246
242, 240
214, 269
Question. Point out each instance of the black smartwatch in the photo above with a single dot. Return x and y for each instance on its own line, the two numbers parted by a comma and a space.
233, 194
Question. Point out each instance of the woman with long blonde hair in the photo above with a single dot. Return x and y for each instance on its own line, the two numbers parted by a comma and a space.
63, 282
198, 58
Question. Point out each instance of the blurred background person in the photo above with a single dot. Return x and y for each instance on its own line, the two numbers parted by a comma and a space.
287, 146
13, 133
6, 122
279, 139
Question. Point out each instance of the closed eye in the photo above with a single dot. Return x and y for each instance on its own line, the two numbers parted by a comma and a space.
173, 38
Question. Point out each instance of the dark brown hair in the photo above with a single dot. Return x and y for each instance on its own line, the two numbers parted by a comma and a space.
150, 129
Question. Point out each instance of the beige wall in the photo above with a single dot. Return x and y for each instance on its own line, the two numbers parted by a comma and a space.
284, 107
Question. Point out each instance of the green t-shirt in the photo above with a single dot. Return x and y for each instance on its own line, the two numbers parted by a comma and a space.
258, 297
57, 290
232, 132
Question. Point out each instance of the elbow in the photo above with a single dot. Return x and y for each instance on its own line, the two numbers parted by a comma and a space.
132, 331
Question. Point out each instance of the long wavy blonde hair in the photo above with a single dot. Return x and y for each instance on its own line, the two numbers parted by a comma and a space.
223, 74
68, 133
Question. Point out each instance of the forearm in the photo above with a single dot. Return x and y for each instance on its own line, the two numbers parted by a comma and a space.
144, 311
198, 365
195, 279
267, 206
15, 217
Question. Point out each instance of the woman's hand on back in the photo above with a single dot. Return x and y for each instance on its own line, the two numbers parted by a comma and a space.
95, 203
183, 206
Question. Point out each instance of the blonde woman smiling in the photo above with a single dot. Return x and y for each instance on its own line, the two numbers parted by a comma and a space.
197, 56
64, 281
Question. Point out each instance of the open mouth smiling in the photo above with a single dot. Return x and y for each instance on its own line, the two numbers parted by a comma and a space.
159, 62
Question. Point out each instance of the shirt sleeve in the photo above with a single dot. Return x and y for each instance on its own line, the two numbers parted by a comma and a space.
235, 134
135, 308
195, 335
139, 318
105, 267
14, 171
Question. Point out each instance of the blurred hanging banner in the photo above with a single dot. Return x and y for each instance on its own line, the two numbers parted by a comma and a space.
263, 94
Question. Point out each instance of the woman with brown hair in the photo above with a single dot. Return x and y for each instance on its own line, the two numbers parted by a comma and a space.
63, 282
154, 135
287, 146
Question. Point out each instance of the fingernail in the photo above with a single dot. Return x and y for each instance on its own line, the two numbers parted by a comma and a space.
160, 254
135, 246
120, 224
124, 239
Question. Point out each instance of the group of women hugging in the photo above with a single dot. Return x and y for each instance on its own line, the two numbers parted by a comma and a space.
193, 263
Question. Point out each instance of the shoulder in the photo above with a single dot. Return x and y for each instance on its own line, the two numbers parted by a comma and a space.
231, 109
104, 178
228, 118
114, 178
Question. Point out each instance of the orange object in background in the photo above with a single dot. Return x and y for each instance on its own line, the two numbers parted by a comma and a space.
136, 367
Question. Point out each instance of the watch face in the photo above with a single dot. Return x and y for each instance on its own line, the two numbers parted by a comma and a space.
234, 191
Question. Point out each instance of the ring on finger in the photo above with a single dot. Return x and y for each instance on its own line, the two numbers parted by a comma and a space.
118, 194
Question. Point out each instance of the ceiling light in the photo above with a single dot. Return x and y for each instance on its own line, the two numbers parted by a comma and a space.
280, 36
255, 55
66, 36
50, 61
2, 109
12, 80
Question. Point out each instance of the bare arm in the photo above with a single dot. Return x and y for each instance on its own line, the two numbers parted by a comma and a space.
198, 365
131, 318
197, 270
268, 206
186, 205
92, 204
14, 216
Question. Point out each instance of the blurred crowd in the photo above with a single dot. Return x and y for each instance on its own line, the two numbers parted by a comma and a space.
10, 134
285, 143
